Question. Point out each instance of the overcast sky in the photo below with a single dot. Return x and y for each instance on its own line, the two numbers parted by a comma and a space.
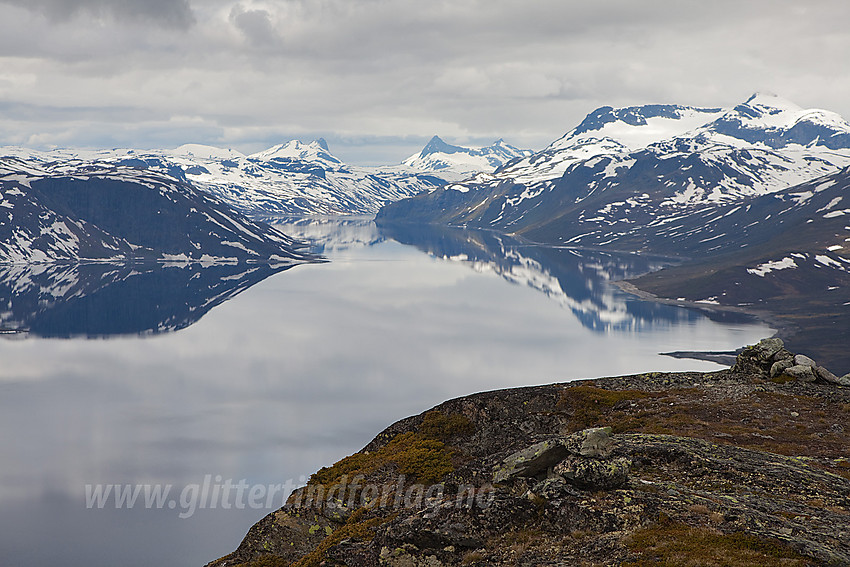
377, 78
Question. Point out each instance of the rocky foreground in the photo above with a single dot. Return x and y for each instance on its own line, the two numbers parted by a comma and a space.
745, 466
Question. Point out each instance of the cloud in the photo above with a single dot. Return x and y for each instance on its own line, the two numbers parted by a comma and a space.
169, 13
397, 69
256, 26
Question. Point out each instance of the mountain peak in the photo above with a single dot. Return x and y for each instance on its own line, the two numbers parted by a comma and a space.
437, 145
769, 103
770, 120
296, 149
437, 155
608, 129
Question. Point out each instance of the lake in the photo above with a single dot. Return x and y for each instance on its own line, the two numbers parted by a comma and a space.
203, 379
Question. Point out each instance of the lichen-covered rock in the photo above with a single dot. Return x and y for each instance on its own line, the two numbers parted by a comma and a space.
287, 535
758, 358
826, 375
593, 442
766, 349
402, 557
594, 474
531, 461
830, 378
553, 488
783, 354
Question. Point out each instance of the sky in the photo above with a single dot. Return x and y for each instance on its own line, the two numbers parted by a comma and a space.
378, 78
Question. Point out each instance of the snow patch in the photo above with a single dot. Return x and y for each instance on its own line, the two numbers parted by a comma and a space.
762, 269
831, 205
827, 261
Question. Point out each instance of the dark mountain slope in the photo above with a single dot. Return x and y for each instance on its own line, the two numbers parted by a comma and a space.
72, 212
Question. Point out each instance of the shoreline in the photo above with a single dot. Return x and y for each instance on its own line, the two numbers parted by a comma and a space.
782, 328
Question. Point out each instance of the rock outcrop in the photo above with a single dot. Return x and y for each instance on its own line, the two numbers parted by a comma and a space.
770, 358
745, 466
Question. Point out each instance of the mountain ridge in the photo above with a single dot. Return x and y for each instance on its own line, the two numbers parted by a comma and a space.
288, 179
666, 177
437, 155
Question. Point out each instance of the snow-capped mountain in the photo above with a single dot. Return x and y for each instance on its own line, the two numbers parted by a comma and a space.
799, 236
294, 178
757, 197
302, 179
777, 123
621, 170
295, 150
438, 156
787, 253
99, 211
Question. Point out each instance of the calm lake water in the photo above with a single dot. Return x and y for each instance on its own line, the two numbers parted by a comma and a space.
170, 376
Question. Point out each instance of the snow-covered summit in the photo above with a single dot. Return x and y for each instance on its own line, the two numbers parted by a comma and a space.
437, 155
622, 168
774, 122
317, 150
762, 104
764, 121
635, 127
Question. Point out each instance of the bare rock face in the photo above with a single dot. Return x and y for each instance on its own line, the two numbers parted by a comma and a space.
752, 459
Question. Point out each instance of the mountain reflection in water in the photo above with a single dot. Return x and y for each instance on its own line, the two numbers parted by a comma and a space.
579, 280
101, 300
96, 300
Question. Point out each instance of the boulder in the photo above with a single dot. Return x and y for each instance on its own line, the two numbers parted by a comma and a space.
757, 359
594, 442
826, 376
784, 354
553, 488
778, 368
801, 373
531, 461
766, 349
803, 360
594, 474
